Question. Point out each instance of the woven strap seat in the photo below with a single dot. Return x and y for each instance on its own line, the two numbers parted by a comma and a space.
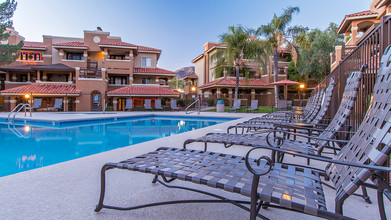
251, 140
291, 187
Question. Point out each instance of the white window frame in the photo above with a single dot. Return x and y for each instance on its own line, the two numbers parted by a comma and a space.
146, 61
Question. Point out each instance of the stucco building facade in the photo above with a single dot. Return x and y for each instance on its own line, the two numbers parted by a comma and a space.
85, 73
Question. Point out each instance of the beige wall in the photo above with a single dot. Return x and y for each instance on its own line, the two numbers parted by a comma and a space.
199, 71
137, 59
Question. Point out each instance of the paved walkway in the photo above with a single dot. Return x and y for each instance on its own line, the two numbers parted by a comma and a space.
70, 190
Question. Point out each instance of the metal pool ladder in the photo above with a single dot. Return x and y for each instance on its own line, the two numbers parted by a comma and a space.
16, 110
11, 119
198, 101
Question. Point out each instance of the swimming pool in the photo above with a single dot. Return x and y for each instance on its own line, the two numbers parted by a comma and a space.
37, 144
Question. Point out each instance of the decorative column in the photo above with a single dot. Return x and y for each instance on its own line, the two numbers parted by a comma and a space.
103, 73
218, 93
13, 77
252, 94
70, 77
354, 34
38, 75
7, 76
65, 104
338, 54
12, 103
44, 76
77, 73
115, 101
28, 77
230, 97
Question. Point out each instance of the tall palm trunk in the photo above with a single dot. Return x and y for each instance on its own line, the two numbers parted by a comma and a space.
237, 82
275, 71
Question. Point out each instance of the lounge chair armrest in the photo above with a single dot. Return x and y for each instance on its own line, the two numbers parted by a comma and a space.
309, 137
322, 158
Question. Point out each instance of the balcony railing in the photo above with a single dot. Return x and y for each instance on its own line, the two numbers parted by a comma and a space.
90, 74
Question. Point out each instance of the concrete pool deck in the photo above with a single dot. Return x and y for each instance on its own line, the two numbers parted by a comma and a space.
70, 190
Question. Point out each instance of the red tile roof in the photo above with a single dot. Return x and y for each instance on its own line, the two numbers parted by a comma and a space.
29, 44
139, 90
41, 88
363, 13
152, 70
346, 20
232, 82
191, 75
143, 48
116, 44
70, 44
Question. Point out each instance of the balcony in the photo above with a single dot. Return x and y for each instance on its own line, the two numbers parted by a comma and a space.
90, 74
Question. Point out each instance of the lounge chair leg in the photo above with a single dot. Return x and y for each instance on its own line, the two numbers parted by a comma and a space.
380, 197
365, 195
206, 146
102, 186
155, 179
380, 202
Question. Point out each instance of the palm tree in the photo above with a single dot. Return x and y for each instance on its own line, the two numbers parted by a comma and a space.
239, 47
274, 33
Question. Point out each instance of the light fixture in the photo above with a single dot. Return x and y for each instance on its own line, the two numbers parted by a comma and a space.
27, 128
27, 96
302, 86
193, 89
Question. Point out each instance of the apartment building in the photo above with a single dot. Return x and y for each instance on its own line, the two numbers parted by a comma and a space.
85, 73
355, 27
256, 86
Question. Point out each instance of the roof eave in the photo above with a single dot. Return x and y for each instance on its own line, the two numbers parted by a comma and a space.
113, 46
69, 47
33, 48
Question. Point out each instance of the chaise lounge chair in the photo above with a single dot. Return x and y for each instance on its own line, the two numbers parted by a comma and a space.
57, 105
278, 185
147, 103
313, 146
128, 104
312, 120
236, 106
158, 104
37, 104
254, 106
174, 105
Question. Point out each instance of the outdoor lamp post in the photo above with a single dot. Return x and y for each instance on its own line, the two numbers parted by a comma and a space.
301, 86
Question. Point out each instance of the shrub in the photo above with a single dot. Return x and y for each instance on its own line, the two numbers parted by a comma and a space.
181, 102
226, 102
109, 108
164, 101
210, 102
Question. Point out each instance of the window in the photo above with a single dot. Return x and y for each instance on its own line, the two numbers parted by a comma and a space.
118, 80
117, 57
31, 56
146, 62
146, 80
75, 56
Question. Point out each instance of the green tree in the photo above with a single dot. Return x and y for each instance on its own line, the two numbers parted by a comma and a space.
314, 49
275, 36
239, 48
177, 83
8, 53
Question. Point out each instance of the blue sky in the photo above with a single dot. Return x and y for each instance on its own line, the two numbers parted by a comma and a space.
178, 27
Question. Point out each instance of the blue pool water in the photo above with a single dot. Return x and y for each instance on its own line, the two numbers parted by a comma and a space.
49, 145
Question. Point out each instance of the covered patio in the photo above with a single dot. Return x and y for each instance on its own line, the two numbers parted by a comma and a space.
138, 93
46, 92
249, 89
